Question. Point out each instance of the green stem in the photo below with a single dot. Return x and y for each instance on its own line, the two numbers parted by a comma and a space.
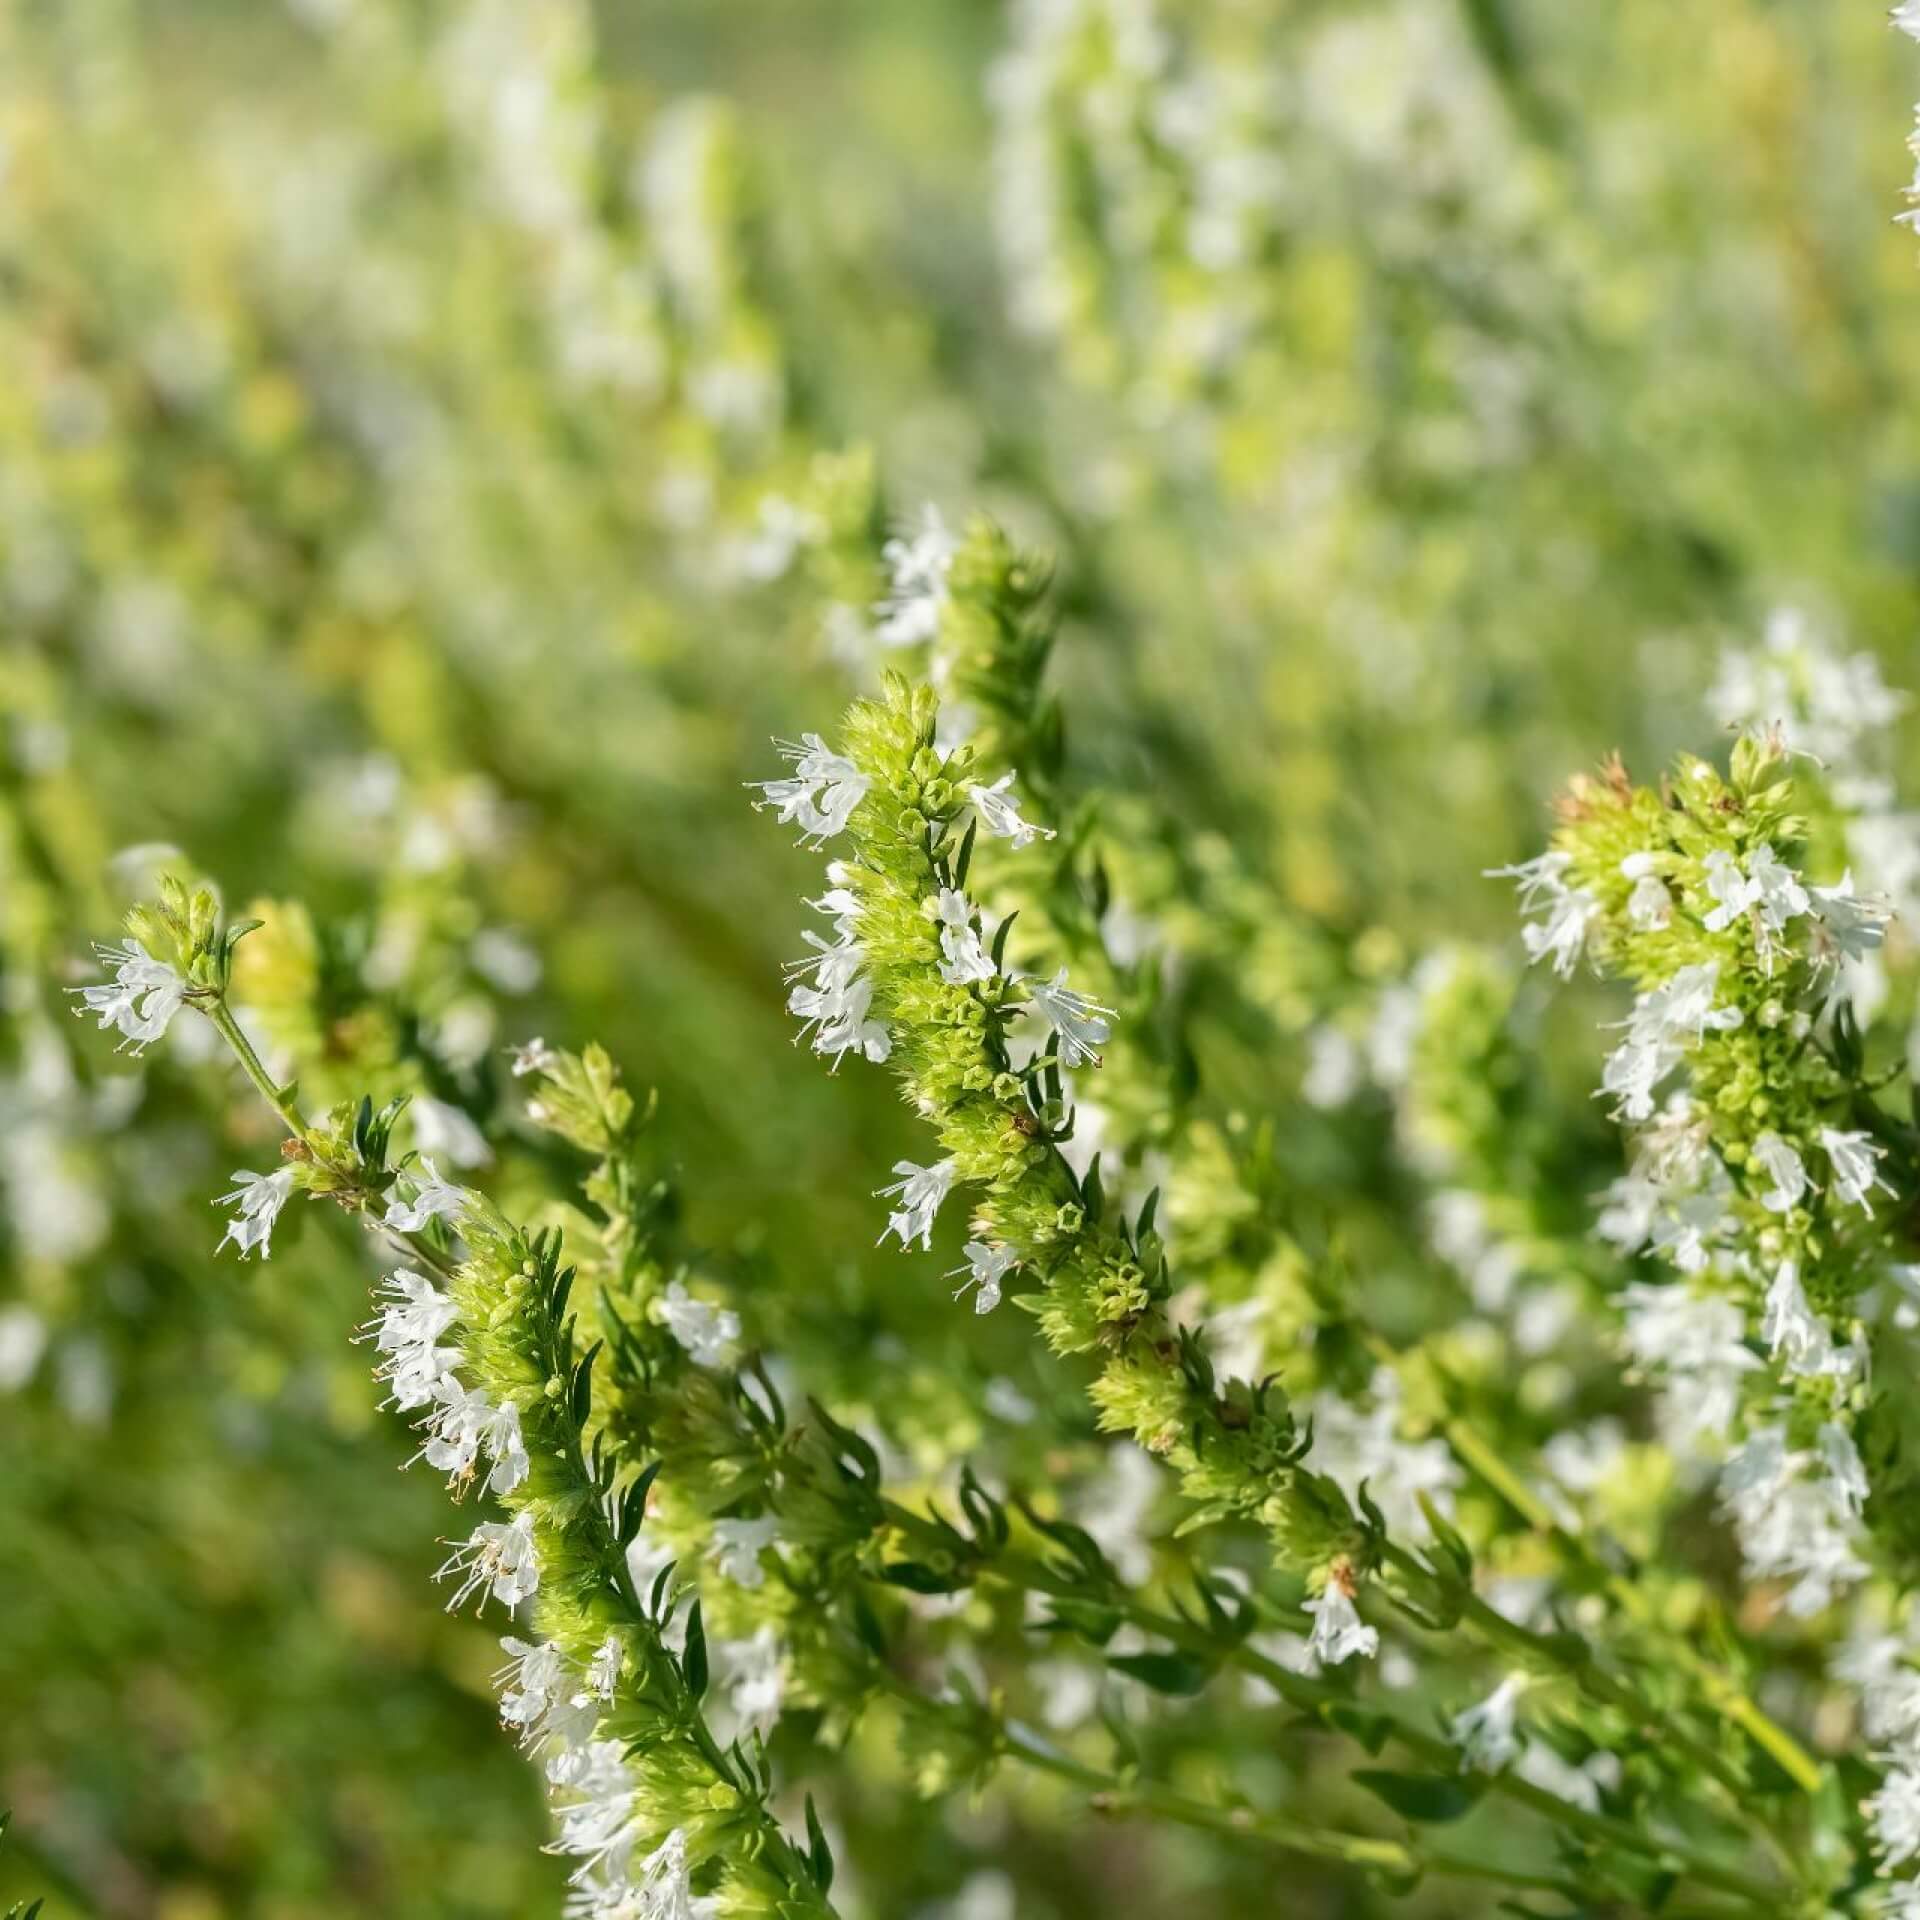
1721, 1689
275, 1096
1025, 1573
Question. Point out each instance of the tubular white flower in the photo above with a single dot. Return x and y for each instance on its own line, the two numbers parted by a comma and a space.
454, 1429
258, 1198
963, 958
1794, 1334
834, 1008
529, 1682
820, 794
1000, 816
1895, 1814
987, 1267
1778, 895
417, 1313
1730, 890
920, 1191
1562, 935
433, 1199
708, 1333
1485, 1733
1784, 1167
1855, 1162
604, 1669
1338, 1633
1649, 905
919, 563
737, 1545
1855, 924
756, 1680
496, 1557
1081, 1022
1538, 879
142, 998
534, 1056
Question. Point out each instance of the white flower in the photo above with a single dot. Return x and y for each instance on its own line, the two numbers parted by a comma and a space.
1793, 1332
1792, 1524
501, 1436
662, 1891
1485, 1733
1853, 1157
1649, 905
1080, 1022
603, 1670
1334, 1071
999, 815
737, 1545
1699, 1342
1846, 1471
1681, 1009
920, 1190
1776, 891
23, 1339
707, 1332
535, 1056
453, 1430
529, 1683
1906, 16
599, 1822
415, 1374
820, 794
1563, 934
416, 1313
1580, 1786
1686, 1230
142, 999
987, 1266
1665, 1020
433, 1198
1337, 1632
1895, 1813
441, 1128
1541, 884
1632, 1074
1541, 878
1729, 888
1855, 923
835, 1006
1629, 1207
258, 1198
495, 1557
1784, 1167
756, 1680
963, 958
567, 1729
918, 566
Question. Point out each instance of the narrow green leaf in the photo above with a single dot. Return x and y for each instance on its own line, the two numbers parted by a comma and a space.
1430, 1798
693, 1662
1175, 1673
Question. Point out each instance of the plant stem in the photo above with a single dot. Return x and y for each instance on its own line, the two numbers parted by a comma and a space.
1025, 1573
230, 1031
1721, 1688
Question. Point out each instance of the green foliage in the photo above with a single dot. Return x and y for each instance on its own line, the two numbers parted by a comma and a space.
445, 442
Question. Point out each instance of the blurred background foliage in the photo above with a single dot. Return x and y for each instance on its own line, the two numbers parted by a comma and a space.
429, 439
